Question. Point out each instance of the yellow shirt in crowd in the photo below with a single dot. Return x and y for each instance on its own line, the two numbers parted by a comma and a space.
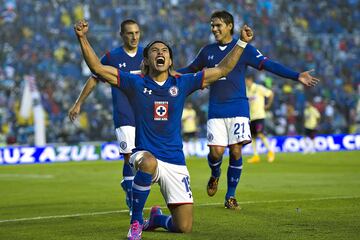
257, 94
188, 120
311, 117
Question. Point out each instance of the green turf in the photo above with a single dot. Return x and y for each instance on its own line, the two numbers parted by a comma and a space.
296, 197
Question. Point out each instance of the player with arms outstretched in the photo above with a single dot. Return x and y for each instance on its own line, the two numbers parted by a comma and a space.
158, 99
128, 58
228, 116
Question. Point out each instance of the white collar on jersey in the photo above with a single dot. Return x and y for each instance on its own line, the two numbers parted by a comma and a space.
222, 48
160, 83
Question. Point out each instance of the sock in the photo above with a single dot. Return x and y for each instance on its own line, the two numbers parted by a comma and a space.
215, 166
164, 221
140, 189
253, 144
128, 177
233, 176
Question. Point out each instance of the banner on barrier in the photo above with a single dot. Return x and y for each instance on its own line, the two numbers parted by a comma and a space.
110, 151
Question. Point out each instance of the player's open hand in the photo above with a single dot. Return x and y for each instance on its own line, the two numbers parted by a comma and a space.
74, 112
246, 34
81, 28
307, 79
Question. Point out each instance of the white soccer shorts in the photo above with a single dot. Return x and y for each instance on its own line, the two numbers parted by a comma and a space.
126, 138
174, 180
228, 131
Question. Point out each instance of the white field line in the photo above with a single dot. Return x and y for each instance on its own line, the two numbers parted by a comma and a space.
197, 205
9, 175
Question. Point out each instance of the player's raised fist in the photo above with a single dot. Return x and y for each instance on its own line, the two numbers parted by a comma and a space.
246, 34
81, 28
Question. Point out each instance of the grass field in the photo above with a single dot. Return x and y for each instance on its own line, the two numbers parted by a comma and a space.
296, 197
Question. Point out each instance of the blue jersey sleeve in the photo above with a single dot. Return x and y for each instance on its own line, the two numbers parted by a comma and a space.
192, 81
126, 81
196, 65
254, 58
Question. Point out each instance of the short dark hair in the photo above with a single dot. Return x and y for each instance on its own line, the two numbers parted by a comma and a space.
126, 22
226, 17
146, 49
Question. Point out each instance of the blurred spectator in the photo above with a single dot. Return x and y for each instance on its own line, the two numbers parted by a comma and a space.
37, 38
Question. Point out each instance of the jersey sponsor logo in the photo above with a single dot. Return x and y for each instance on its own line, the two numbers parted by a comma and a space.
123, 145
174, 91
211, 57
161, 110
122, 65
148, 91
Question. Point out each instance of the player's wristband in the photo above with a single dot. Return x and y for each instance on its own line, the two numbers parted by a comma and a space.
241, 43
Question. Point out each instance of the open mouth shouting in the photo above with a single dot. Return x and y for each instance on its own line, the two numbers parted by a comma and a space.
160, 61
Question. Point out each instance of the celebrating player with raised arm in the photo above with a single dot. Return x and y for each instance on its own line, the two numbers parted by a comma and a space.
158, 99
228, 117
128, 58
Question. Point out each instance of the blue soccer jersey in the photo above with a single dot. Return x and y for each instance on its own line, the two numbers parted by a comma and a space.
123, 114
228, 94
158, 111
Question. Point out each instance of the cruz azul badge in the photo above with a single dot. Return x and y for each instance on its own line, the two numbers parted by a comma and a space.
161, 110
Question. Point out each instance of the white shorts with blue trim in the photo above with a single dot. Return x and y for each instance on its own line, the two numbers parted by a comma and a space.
126, 138
228, 131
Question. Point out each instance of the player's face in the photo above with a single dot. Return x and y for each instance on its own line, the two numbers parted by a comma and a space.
221, 30
131, 36
159, 57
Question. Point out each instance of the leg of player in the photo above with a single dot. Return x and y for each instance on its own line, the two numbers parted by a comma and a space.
180, 220
271, 154
233, 176
255, 158
126, 183
126, 139
214, 161
145, 164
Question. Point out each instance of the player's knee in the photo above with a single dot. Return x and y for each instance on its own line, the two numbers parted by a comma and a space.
143, 161
216, 152
149, 163
235, 153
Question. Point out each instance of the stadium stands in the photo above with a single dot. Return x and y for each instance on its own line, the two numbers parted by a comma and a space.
37, 39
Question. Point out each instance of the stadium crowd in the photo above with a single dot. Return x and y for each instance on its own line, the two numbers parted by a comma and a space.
37, 39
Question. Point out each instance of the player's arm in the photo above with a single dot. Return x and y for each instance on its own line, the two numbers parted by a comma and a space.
108, 73
228, 63
304, 77
270, 100
85, 92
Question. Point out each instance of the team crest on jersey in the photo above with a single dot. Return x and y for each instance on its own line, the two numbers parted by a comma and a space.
123, 145
210, 137
161, 110
174, 91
